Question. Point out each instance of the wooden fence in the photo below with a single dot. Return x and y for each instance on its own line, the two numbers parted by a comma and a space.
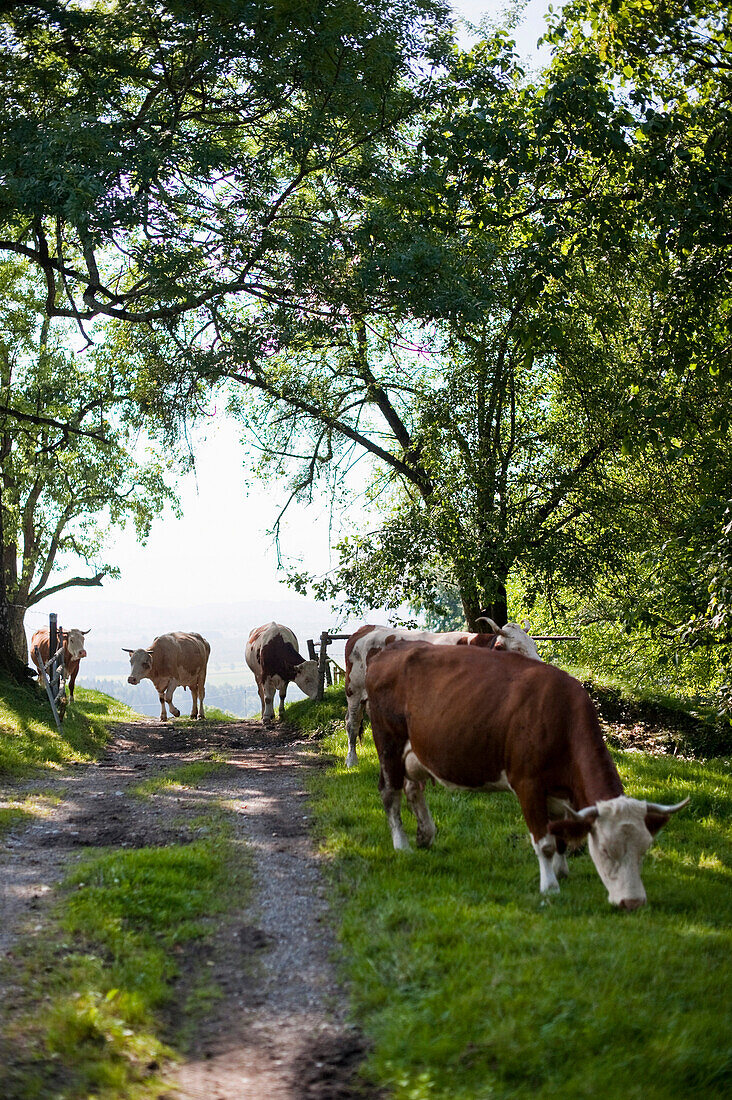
53, 672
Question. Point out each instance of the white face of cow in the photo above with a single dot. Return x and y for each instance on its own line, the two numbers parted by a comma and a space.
74, 640
306, 678
618, 840
515, 639
140, 664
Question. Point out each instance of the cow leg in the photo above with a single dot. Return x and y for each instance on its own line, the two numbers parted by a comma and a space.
426, 828
169, 699
559, 860
194, 701
260, 690
354, 729
283, 693
201, 697
163, 711
268, 694
392, 801
534, 807
546, 850
72, 681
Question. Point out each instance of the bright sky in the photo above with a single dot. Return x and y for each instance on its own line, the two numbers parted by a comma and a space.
219, 550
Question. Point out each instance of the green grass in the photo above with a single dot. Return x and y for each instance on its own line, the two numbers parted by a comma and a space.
471, 986
213, 714
95, 983
187, 775
319, 717
28, 735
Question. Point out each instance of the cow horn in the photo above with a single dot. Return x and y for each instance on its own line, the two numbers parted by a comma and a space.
589, 813
659, 808
127, 650
494, 626
526, 625
86, 631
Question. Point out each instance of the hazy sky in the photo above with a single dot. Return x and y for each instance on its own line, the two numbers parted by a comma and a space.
219, 551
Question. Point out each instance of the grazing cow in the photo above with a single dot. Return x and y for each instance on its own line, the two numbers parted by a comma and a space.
272, 655
73, 644
173, 660
371, 639
472, 719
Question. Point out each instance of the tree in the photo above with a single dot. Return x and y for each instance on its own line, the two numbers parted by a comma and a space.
66, 470
160, 156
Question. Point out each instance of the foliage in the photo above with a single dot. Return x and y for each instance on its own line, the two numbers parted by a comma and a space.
469, 984
71, 470
163, 156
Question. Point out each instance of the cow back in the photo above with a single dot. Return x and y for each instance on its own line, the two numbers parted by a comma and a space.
177, 652
472, 713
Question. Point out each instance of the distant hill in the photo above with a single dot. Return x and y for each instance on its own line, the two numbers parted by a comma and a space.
239, 699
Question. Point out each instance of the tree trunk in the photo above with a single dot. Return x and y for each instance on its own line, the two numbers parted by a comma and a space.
474, 607
9, 660
497, 610
17, 631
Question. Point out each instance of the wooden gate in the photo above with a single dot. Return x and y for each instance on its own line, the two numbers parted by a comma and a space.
53, 672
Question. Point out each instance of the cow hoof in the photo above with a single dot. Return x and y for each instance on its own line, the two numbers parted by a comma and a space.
351, 759
425, 839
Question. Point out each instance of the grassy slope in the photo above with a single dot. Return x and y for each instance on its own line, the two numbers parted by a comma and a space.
28, 735
471, 986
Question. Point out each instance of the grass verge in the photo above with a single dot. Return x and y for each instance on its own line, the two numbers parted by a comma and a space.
123, 946
470, 986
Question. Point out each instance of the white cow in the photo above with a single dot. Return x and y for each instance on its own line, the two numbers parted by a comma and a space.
370, 639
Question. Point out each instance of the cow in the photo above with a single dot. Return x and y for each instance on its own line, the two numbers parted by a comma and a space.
471, 719
369, 639
173, 660
73, 647
271, 653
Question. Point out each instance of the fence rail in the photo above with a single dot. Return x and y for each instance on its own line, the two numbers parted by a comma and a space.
53, 671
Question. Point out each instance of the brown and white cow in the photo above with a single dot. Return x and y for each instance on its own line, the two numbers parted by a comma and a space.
273, 657
73, 645
173, 660
370, 639
472, 719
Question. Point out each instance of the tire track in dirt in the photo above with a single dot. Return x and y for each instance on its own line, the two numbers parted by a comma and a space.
279, 1029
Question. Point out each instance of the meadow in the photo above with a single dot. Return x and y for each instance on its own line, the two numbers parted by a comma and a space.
470, 985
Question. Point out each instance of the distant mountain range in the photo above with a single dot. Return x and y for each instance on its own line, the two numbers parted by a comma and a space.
114, 626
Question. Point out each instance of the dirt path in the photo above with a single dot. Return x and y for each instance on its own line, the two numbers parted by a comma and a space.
283, 1034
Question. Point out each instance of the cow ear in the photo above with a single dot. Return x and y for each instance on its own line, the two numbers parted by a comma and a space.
655, 822
570, 828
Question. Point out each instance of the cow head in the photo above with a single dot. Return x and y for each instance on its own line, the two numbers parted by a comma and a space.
512, 637
619, 831
74, 642
306, 678
140, 664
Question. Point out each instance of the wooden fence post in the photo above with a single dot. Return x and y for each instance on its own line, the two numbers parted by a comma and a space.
322, 663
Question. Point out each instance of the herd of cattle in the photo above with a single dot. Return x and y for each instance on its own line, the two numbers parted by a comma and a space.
475, 711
